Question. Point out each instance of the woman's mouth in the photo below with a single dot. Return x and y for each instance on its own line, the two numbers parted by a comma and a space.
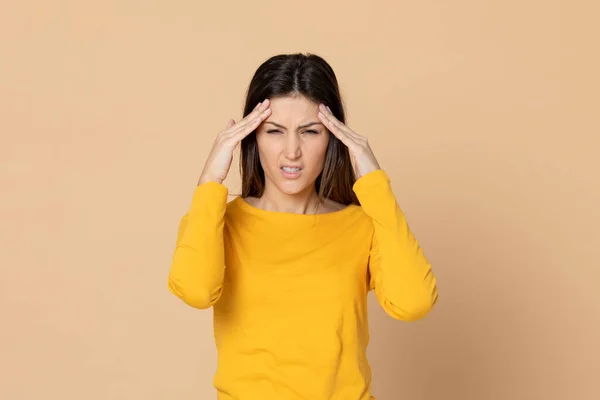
291, 172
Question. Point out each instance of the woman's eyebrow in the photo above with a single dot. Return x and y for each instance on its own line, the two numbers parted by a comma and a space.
300, 127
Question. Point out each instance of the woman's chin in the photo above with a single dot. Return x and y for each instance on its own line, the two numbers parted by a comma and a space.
291, 187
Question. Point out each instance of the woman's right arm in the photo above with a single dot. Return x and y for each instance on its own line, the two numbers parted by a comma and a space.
198, 264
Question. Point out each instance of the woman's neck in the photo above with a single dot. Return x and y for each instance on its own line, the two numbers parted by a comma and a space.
306, 202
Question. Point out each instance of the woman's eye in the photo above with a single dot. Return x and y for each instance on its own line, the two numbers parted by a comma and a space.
276, 131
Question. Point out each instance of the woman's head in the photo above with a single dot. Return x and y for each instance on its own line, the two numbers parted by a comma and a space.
295, 85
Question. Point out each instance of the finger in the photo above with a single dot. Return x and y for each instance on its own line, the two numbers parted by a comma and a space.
250, 125
337, 132
244, 130
230, 128
258, 110
336, 127
336, 122
225, 132
249, 119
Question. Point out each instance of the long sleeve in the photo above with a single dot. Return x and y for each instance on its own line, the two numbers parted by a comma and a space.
198, 263
399, 272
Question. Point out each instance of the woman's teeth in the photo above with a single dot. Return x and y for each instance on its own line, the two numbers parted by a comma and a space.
288, 169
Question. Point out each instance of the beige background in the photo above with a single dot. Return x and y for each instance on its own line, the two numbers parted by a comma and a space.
484, 113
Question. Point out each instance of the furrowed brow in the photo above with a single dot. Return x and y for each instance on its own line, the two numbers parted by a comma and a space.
300, 127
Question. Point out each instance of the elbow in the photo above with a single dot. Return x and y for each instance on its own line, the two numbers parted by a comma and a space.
413, 310
200, 298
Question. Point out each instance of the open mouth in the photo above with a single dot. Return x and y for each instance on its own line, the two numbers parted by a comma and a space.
291, 169
291, 172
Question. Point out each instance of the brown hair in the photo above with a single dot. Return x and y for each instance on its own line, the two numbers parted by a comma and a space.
312, 77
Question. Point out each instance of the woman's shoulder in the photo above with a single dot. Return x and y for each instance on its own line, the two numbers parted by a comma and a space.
330, 206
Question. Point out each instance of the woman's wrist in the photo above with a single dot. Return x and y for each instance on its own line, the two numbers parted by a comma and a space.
204, 179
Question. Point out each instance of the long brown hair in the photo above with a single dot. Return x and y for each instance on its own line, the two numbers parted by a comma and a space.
312, 77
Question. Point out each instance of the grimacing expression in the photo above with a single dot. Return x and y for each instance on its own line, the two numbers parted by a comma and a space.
292, 143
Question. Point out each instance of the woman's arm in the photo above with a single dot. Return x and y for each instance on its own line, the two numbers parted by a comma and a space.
400, 274
198, 264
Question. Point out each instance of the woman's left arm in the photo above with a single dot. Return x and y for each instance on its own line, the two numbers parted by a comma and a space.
400, 273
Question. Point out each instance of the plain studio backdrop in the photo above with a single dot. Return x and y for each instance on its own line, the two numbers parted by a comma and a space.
484, 113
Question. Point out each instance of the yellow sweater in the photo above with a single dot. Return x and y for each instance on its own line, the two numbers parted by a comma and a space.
289, 290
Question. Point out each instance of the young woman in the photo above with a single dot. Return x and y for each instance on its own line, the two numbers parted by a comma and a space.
287, 265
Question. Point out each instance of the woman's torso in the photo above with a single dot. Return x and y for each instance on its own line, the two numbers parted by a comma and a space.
291, 322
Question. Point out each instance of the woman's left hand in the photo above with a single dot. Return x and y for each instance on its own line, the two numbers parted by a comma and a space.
361, 154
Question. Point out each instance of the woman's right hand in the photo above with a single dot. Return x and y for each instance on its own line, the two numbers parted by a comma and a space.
220, 157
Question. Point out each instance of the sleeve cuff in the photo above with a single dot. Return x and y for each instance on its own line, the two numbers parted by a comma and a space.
210, 194
370, 179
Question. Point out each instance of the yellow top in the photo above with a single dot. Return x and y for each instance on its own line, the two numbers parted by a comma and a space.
289, 290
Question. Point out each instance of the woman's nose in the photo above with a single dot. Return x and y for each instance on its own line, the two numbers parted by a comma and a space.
292, 147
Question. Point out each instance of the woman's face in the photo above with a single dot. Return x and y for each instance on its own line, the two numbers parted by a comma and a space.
292, 143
